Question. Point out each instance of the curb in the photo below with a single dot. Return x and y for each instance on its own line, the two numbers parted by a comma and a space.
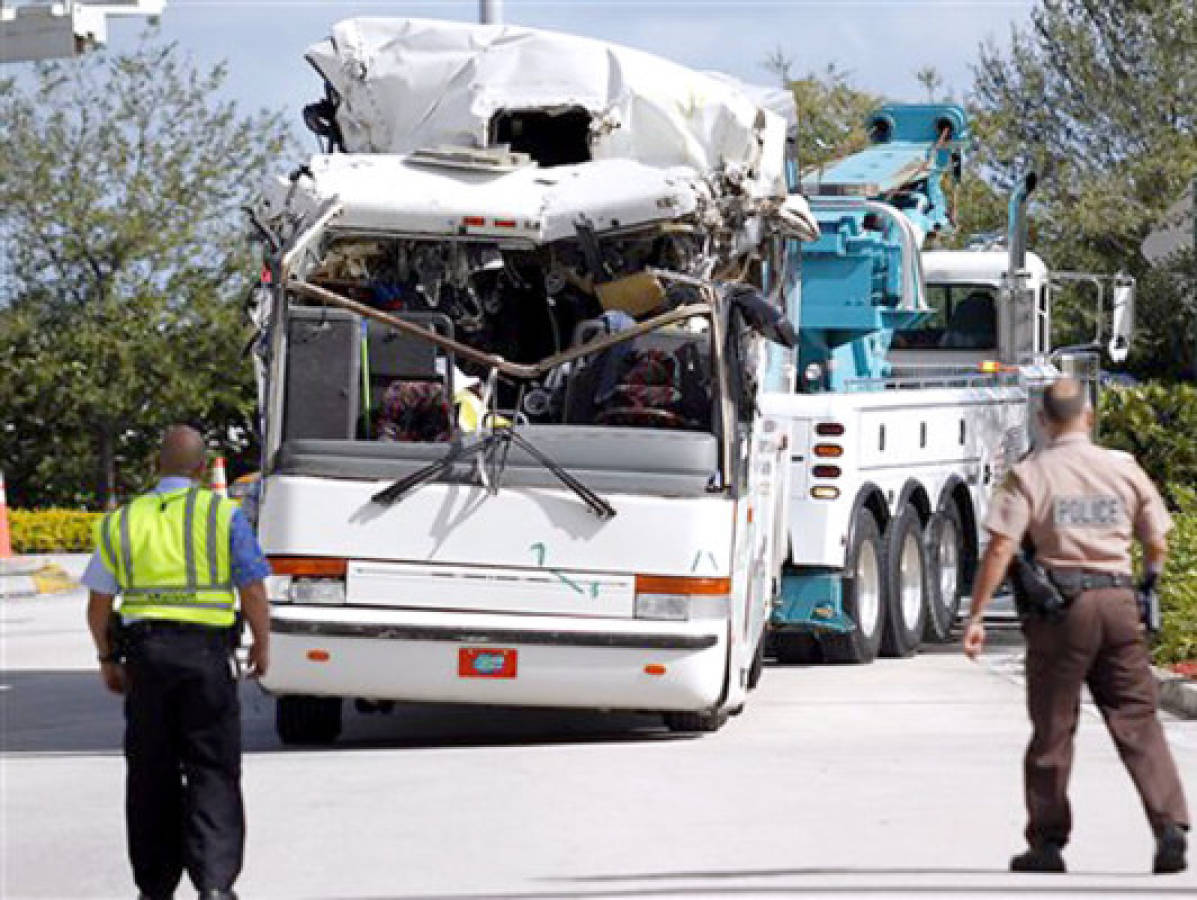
25, 578
1178, 694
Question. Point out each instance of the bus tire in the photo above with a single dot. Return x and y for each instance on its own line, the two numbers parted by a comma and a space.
300, 719
945, 568
864, 596
705, 721
757, 668
796, 648
905, 554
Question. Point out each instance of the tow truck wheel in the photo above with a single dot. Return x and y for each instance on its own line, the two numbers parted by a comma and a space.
864, 597
905, 584
945, 557
307, 720
704, 721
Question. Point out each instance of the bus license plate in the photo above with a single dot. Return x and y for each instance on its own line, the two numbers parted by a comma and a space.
487, 662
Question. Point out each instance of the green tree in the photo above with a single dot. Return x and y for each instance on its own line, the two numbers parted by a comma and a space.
1098, 98
831, 115
121, 308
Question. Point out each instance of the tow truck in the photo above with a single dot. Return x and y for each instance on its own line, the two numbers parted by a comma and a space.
912, 391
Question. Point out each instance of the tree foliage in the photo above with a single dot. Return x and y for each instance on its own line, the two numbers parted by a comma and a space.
1098, 98
831, 115
121, 311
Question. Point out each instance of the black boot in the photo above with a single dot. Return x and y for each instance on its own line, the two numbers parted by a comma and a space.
1170, 847
217, 894
1042, 857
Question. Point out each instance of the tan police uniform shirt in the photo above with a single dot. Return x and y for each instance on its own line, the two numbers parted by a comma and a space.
1081, 504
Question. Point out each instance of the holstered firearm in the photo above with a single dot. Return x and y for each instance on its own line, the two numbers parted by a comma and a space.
1035, 594
1148, 599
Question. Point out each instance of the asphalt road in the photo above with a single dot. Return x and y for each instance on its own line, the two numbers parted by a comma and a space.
891, 779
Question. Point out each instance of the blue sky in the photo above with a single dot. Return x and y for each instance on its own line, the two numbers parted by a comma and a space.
880, 42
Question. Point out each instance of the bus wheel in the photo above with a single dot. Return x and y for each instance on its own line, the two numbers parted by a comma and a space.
864, 597
757, 668
905, 584
695, 721
307, 720
945, 558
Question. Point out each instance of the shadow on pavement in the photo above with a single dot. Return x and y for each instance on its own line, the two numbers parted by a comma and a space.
1058, 885
858, 871
70, 711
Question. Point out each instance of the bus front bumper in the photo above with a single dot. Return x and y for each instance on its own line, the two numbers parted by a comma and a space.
509, 660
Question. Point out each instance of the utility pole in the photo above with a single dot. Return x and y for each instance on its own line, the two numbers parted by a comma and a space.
490, 12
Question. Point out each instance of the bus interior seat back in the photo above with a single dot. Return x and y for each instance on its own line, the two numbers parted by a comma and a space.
659, 379
323, 377
410, 394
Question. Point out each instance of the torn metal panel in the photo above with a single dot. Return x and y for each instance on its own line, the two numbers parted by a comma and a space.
402, 85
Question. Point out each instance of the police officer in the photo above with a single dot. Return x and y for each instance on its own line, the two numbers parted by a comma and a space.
1081, 505
174, 556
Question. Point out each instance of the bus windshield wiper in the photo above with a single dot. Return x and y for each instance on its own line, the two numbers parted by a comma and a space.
494, 448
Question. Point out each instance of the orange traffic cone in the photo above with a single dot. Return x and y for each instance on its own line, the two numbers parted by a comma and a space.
220, 481
5, 535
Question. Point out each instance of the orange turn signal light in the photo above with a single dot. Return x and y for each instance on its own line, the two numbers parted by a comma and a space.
654, 669
318, 655
829, 451
310, 566
668, 584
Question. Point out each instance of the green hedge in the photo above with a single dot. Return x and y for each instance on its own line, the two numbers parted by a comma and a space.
1156, 424
1178, 587
52, 530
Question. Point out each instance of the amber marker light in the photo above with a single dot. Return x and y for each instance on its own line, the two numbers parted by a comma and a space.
318, 655
665, 584
309, 566
829, 451
654, 669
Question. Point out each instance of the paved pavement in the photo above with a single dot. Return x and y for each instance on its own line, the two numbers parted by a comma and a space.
893, 779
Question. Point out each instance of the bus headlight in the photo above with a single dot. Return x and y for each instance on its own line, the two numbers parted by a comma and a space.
317, 590
671, 607
278, 588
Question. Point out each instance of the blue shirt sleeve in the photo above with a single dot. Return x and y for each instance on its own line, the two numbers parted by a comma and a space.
96, 577
248, 563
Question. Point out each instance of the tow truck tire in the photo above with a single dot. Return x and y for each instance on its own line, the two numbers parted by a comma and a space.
864, 596
945, 561
705, 721
300, 719
905, 554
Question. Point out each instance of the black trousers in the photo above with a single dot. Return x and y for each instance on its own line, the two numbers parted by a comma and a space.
183, 804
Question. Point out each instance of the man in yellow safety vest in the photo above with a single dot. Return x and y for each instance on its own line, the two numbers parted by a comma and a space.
178, 557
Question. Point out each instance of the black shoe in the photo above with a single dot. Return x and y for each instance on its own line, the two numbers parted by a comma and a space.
217, 894
1170, 851
1043, 857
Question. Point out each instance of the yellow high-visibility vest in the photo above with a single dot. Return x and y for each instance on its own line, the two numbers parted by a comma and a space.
171, 557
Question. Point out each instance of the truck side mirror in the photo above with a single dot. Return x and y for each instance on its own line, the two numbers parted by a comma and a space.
1123, 312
